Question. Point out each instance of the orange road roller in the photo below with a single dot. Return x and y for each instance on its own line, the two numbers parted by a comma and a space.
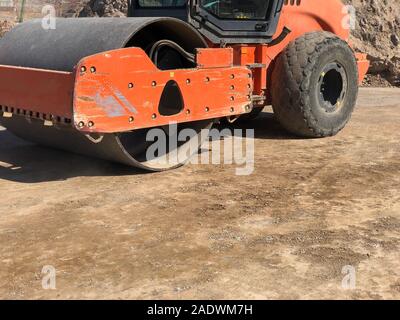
98, 86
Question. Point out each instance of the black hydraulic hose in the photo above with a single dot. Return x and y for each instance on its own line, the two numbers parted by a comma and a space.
162, 43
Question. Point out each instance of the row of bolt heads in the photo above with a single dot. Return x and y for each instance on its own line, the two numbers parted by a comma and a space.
81, 124
154, 83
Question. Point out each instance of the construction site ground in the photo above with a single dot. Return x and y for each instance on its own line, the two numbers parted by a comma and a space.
288, 231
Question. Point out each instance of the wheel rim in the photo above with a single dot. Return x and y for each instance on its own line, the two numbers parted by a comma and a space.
332, 87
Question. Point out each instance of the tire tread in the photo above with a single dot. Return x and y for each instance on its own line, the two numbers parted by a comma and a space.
291, 83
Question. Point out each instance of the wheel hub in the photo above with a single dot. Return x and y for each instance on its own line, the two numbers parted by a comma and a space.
332, 87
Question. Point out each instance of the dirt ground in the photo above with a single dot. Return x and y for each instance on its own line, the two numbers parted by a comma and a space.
310, 208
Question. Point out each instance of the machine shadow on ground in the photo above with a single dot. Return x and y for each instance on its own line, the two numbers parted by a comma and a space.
265, 127
24, 162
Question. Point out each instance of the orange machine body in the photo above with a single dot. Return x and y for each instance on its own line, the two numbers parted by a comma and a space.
120, 90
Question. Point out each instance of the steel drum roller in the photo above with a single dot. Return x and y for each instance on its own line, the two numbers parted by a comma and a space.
29, 45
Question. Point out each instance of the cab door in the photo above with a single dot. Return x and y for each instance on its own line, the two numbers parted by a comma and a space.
236, 21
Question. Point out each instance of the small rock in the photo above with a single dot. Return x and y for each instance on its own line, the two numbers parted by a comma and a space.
395, 40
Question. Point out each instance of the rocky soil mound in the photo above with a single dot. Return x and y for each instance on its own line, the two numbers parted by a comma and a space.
377, 33
105, 8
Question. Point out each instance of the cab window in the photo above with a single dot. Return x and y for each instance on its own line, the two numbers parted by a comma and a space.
237, 9
161, 3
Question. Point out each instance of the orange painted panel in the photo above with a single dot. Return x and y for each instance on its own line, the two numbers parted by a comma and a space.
214, 57
121, 90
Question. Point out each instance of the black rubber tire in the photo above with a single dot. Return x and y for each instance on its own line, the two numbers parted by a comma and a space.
296, 84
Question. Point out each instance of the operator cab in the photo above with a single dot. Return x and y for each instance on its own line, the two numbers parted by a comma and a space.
221, 21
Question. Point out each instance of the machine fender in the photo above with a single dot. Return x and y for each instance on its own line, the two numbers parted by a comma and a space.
311, 15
